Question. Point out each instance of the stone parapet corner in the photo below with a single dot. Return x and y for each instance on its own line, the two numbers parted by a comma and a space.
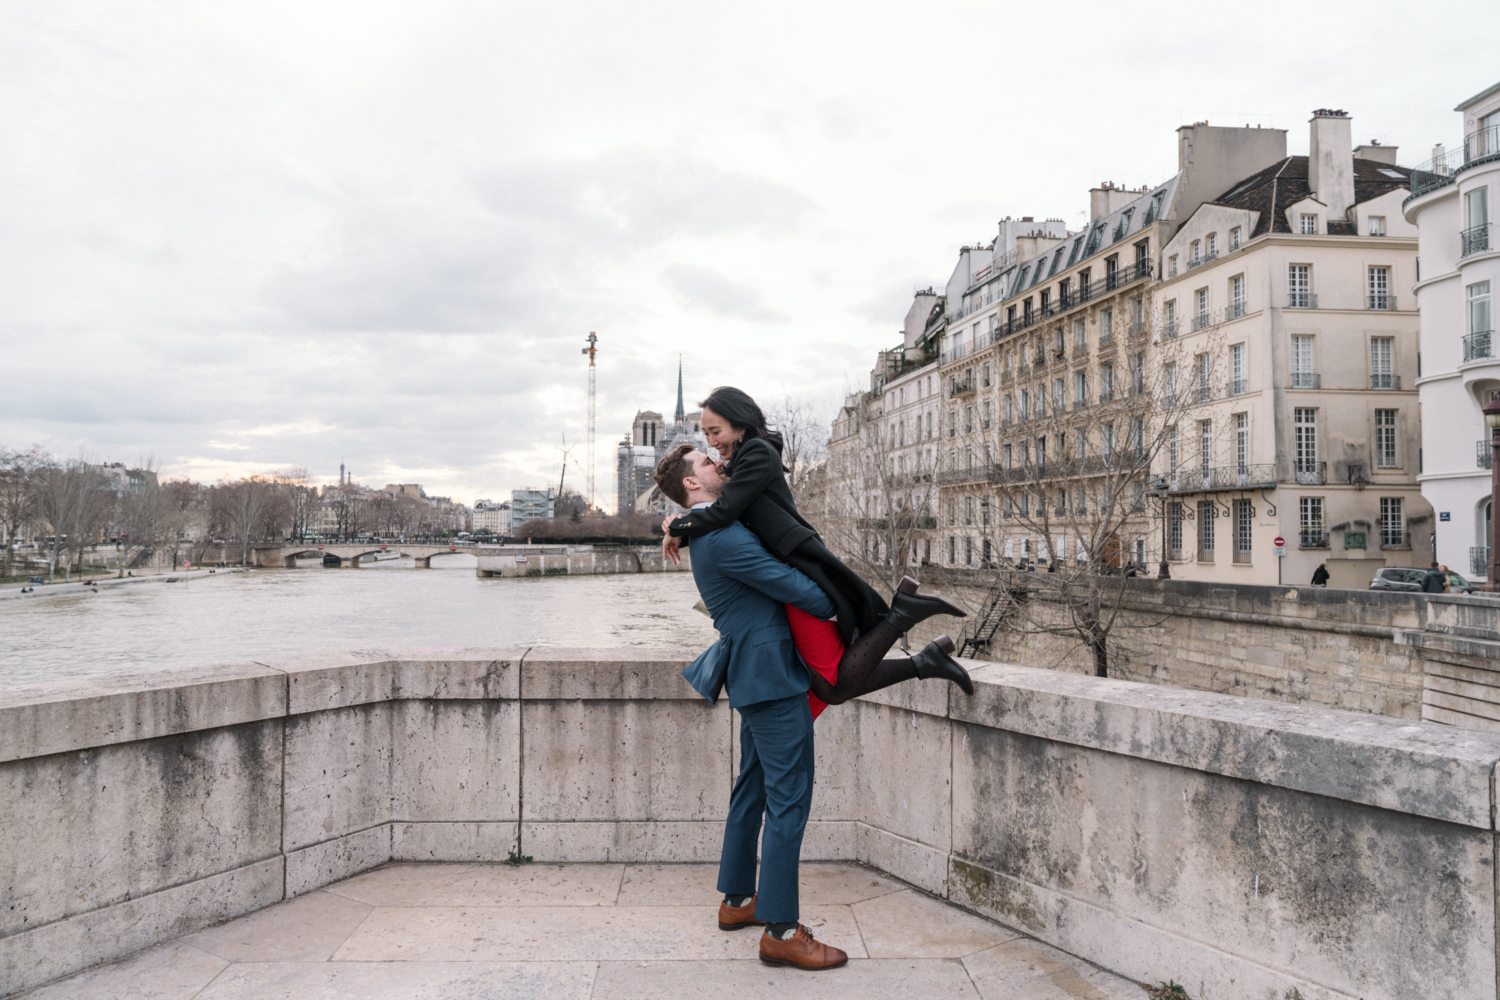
1419, 768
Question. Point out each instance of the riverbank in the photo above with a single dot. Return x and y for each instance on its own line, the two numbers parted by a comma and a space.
96, 584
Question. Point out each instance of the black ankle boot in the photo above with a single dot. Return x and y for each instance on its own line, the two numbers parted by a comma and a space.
936, 661
908, 607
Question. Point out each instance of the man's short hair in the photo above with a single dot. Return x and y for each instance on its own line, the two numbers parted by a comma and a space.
672, 470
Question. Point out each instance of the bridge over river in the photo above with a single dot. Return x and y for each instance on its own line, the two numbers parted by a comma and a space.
494, 560
351, 554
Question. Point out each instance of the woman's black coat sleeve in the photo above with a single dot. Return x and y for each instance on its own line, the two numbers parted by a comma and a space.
756, 467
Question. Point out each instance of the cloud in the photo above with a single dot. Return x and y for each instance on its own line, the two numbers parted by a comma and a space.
519, 245
713, 291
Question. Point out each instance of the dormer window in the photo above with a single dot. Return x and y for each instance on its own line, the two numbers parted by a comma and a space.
1213, 245
1172, 266
1194, 251
1377, 225
1234, 238
1309, 224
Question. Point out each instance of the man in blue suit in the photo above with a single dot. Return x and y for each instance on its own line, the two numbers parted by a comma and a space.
745, 590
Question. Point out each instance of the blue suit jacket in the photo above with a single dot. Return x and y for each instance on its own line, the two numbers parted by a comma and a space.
744, 588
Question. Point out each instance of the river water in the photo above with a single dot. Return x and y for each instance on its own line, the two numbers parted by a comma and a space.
266, 613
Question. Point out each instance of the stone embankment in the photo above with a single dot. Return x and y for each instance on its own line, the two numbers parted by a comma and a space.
60, 589
1245, 848
574, 560
1367, 651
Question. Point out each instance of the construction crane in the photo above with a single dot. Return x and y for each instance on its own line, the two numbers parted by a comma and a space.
591, 350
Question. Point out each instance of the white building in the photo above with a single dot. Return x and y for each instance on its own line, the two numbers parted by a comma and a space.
491, 516
1459, 273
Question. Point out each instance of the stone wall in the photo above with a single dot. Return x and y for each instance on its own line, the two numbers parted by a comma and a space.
1303, 645
574, 560
1243, 847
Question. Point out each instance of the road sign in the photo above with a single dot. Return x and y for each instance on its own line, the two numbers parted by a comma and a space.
1280, 544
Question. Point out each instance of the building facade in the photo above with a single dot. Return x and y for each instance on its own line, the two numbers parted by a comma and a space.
651, 437
531, 505
1302, 361
492, 517
1449, 203
1211, 363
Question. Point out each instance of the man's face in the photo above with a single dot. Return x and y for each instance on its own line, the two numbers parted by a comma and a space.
706, 473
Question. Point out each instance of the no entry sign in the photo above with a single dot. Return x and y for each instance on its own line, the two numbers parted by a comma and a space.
1280, 544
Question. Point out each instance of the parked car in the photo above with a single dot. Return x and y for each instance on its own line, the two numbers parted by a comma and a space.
1398, 578
1459, 585
1408, 579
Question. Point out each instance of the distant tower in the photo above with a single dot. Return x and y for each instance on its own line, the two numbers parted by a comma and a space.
341, 472
680, 414
591, 351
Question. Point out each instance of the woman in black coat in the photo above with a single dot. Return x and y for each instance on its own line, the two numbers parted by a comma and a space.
757, 495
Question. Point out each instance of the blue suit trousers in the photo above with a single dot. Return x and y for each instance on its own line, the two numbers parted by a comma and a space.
775, 780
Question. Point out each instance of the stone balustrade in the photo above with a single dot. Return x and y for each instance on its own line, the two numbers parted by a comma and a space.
1245, 848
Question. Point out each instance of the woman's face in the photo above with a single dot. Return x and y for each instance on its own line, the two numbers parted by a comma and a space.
720, 436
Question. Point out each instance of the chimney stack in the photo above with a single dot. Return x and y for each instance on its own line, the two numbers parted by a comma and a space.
1330, 161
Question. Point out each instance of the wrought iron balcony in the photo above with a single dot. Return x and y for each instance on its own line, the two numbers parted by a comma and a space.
1202, 321
1236, 387
1307, 380
1137, 328
1385, 380
1484, 455
1202, 394
1436, 172
1169, 330
1395, 539
1478, 147
1482, 145
1226, 477
1312, 539
1124, 275
1310, 473
1379, 300
1475, 239
1477, 346
961, 387
1106, 341
1235, 310
1301, 300
1479, 561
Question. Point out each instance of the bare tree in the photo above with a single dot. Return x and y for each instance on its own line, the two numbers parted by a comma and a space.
18, 482
880, 502
248, 499
139, 516
183, 503
804, 434
73, 502
1068, 488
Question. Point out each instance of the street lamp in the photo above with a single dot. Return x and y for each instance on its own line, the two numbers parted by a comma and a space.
1162, 571
1492, 417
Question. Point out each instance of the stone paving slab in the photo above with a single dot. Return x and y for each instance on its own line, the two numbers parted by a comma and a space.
588, 932
570, 934
486, 885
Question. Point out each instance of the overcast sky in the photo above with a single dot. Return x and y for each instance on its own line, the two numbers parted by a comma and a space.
242, 237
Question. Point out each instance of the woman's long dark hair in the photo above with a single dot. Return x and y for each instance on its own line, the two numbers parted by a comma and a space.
742, 412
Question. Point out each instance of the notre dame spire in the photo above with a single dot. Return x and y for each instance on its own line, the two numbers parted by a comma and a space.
678, 417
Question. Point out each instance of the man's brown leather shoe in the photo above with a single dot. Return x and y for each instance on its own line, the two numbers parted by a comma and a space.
801, 951
733, 918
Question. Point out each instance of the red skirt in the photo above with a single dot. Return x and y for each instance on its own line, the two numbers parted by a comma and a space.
821, 645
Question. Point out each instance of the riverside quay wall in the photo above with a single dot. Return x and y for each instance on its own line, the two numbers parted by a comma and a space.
1245, 848
575, 560
1434, 657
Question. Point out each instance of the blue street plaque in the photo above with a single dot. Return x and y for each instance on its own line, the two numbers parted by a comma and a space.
1443, 515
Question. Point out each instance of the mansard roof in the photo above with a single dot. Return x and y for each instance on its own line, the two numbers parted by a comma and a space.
1281, 185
